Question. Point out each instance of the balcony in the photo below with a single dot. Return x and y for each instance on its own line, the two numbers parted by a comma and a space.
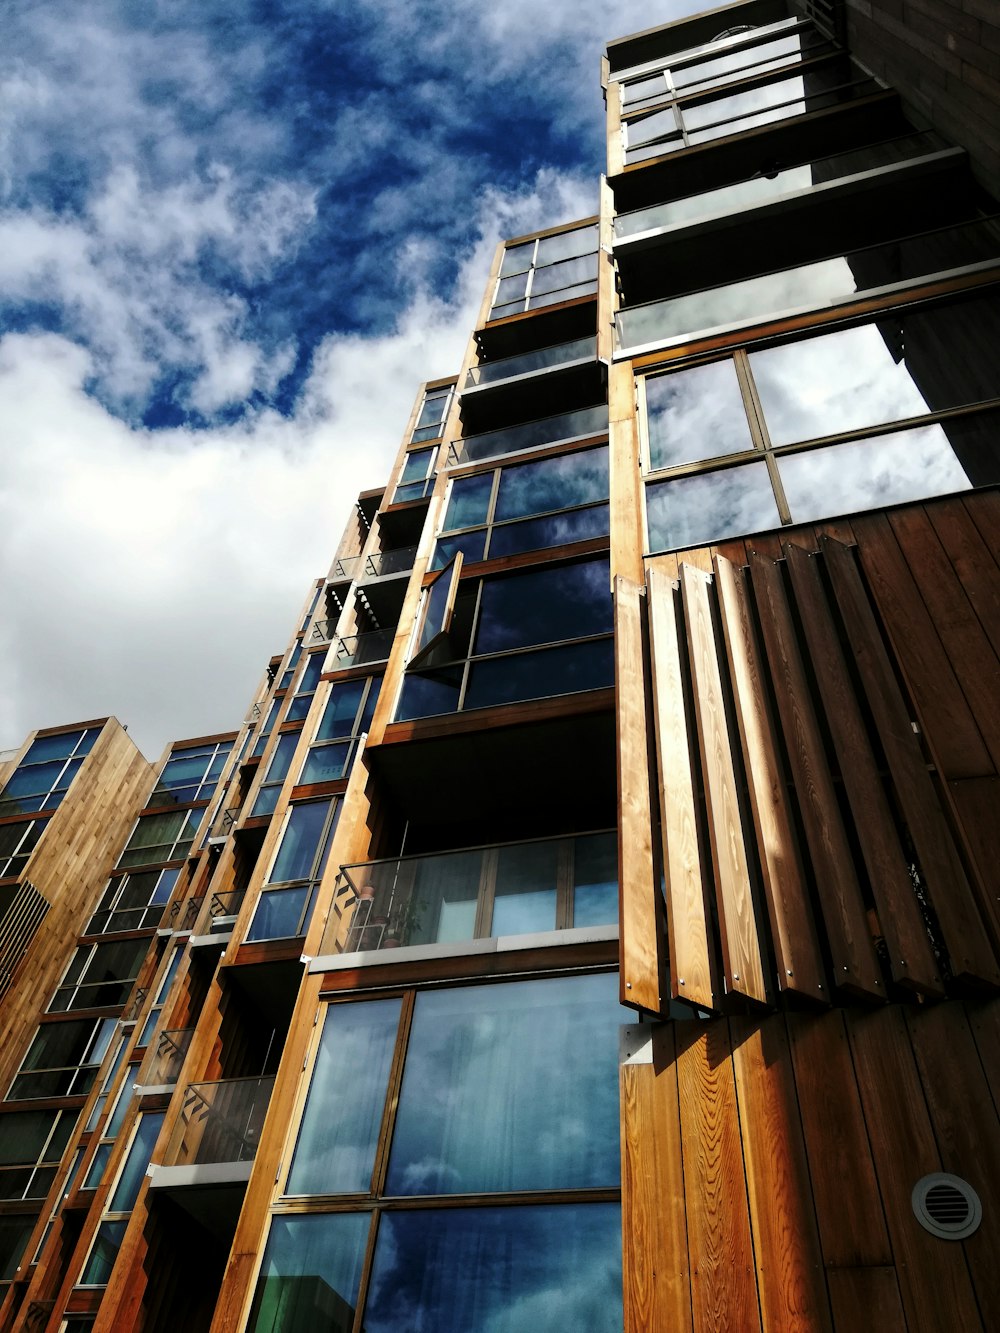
580, 351
344, 568
382, 586
353, 650
582, 424
383, 563
219, 1123
164, 1060
547, 891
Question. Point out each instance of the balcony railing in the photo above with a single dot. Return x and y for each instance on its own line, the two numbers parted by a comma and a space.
480, 893
390, 562
578, 425
362, 649
223, 909
531, 363
344, 568
219, 1122
183, 915
165, 1058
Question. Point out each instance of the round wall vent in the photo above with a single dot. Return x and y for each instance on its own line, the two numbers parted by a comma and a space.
947, 1206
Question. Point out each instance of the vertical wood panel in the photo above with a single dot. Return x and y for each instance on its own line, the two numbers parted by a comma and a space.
793, 935
933, 1277
737, 922
958, 915
643, 965
975, 803
852, 952
966, 1127
688, 932
911, 959
943, 709
865, 1298
654, 1238
723, 1275
790, 1275
984, 1023
972, 561
848, 1208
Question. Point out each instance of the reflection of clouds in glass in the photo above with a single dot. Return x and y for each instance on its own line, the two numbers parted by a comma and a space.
868, 474
695, 414
545, 606
746, 105
693, 510
771, 293
744, 194
839, 382
553, 483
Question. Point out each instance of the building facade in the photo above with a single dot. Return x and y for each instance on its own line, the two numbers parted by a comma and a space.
594, 921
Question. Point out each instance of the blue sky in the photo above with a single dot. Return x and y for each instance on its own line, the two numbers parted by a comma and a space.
233, 240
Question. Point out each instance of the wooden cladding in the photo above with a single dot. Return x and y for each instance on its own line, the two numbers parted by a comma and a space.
768, 1164
23, 915
811, 843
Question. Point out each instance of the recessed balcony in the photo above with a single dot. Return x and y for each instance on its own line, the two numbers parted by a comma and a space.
164, 1060
563, 428
354, 650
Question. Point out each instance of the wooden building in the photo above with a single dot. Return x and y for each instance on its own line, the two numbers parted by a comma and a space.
594, 921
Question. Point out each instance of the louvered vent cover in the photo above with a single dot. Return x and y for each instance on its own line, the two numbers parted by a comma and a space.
947, 1206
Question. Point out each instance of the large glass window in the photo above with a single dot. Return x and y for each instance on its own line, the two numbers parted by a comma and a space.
31, 1146
899, 408
478, 1111
43, 776
133, 901
283, 912
162, 837
529, 635
63, 1058
191, 774
433, 411
111, 1232
526, 507
306, 688
547, 270
416, 480
348, 713
277, 771
17, 842
100, 975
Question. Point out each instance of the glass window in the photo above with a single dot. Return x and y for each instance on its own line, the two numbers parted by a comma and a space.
595, 880
134, 1170
310, 1274
14, 1233
335, 1153
63, 1058
103, 1254
31, 1146
100, 975
277, 771
301, 842
543, 272
697, 510
434, 410
544, 606
416, 480
133, 901
266, 729
341, 711
43, 776
695, 414
302, 853
162, 837
546, 1268
17, 842
191, 774
469, 501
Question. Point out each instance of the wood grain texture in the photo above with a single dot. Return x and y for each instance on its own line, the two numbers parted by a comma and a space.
688, 928
911, 958
863, 1298
790, 1276
625, 477
855, 966
958, 915
934, 1281
971, 559
974, 804
848, 1208
654, 1237
793, 934
723, 1275
738, 929
643, 962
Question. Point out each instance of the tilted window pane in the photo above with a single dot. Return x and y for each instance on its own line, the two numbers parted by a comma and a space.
479, 1109
325, 763
868, 474
310, 1274
279, 914
300, 843
692, 511
695, 414
512, 288
416, 465
552, 483
545, 606
335, 1153
102, 1257
471, 544
753, 59
426, 693
546, 1269
542, 674
517, 258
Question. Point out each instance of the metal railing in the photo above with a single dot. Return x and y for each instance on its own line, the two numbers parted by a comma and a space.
361, 649
528, 363
219, 1122
183, 914
165, 1059
344, 568
223, 909
584, 422
390, 562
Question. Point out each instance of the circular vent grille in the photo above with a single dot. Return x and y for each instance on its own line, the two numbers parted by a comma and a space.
947, 1206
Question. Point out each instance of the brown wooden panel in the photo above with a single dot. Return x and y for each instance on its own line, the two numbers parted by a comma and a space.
723, 1277
934, 1280
865, 1298
855, 966
643, 965
972, 560
741, 955
688, 930
967, 647
790, 1277
793, 934
911, 958
957, 913
654, 1238
984, 509
848, 1208
942, 707
975, 803
984, 1023
965, 1125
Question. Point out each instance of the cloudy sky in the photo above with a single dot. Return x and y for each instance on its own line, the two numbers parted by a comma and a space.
233, 240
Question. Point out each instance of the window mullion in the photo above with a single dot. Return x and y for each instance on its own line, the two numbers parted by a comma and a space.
391, 1106
366, 1271
486, 895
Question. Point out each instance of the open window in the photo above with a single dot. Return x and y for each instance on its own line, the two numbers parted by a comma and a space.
436, 610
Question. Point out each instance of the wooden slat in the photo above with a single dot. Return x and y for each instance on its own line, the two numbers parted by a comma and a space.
723, 1281
933, 1277
848, 1208
911, 958
942, 707
959, 918
984, 1024
643, 964
975, 803
967, 647
984, 509
741, 953
852, 953
782, 1214
654, 1237
688, 929
971, 559
865, 1298
793, 934
965, 1125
